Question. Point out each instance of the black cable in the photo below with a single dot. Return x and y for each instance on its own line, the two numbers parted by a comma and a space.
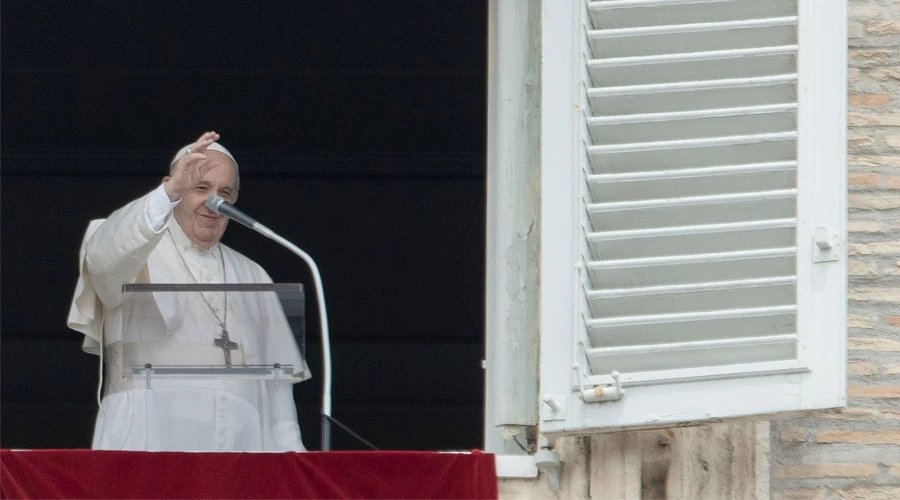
520, 444
350, 431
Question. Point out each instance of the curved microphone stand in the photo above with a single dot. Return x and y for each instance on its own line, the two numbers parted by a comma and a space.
218, 205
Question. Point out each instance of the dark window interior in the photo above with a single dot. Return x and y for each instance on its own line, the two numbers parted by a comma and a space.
360, 130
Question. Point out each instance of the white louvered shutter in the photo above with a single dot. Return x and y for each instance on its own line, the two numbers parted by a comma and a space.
707, 159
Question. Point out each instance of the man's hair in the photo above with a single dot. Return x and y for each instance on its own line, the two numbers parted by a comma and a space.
215, 147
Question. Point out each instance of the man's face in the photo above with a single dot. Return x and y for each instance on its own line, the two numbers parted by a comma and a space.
203, 226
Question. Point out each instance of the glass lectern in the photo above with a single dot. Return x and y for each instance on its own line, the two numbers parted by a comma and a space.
193, 334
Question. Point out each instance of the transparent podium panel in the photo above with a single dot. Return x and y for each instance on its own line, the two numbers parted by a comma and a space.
188, 334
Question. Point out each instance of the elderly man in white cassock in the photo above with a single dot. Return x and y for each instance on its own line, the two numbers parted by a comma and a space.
170, 236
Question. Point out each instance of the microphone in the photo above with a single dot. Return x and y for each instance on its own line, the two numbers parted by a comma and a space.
218, 205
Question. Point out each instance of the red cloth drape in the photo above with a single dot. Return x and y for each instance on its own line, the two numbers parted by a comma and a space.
117, 474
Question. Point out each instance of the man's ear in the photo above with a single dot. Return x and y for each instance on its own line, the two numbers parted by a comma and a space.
166, 179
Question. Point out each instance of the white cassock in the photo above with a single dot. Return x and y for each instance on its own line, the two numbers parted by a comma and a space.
176, 328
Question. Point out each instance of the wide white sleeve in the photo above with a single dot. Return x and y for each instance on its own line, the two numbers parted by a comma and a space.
159, 208
282, 347
118, 249
86, 312
282, 411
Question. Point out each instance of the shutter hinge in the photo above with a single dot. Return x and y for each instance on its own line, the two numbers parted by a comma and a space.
598, 393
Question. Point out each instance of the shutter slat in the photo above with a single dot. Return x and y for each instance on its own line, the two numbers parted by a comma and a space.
768, 295
627, 4
680, 244
692, 154
598, 121
693, 230
680, 186
626, 13
688, 359
689, 287
692, 172
690, 28
689, 38
655, 319
692, 201
684, 57
714, 65
693, 330
673, 270
688, 99
707, 142
681, 129
692, 346
695, 258
690, 95
707, 213
690, 86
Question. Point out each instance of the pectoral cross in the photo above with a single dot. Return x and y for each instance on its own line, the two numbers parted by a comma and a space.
227, 346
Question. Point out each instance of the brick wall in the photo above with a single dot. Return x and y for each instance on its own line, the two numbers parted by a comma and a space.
855, 453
